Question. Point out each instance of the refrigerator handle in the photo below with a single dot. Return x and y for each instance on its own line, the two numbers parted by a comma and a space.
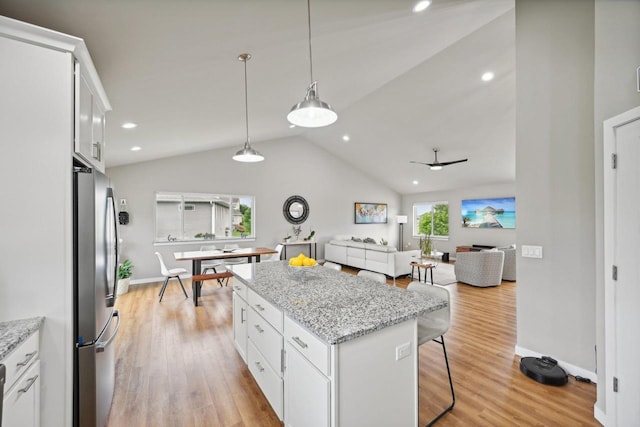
101, 345
112, 205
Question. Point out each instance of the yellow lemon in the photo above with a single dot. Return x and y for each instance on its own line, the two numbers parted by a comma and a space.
313, 262
302, 256
296, 262
308, 262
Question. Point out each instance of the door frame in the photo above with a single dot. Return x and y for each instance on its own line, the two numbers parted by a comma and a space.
610, 127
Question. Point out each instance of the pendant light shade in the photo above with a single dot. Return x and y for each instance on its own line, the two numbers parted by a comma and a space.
247, 154
311, 112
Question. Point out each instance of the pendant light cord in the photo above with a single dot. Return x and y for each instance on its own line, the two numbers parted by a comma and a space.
246, 100
309, 26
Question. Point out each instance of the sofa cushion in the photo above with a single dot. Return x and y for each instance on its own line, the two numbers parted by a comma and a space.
379, 248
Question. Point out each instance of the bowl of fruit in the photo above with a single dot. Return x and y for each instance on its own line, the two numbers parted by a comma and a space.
302, 264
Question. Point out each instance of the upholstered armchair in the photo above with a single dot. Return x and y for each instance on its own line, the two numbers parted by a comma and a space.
479, 268
509, 268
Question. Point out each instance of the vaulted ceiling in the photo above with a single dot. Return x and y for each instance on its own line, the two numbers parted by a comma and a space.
401, 82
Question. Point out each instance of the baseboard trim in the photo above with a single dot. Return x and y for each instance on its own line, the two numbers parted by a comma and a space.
599, 415
571, 369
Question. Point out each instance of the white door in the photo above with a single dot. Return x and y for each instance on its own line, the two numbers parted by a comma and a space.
622, 293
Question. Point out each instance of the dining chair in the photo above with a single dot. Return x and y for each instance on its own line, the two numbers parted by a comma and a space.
378, 277
332, 265
234, 261
277, 255
212, 264
432, 326
174, 273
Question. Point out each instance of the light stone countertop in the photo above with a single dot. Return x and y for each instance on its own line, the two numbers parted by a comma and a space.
14, 332
334, 305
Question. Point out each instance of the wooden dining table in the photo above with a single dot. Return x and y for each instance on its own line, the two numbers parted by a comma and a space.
196, 258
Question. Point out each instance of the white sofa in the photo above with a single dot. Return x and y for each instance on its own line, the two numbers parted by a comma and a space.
370, 256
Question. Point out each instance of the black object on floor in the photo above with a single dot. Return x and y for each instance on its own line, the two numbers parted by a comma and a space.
543, 369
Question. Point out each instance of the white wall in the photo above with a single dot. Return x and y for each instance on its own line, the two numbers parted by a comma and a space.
458, 235
617, 55
555, 179
292, 167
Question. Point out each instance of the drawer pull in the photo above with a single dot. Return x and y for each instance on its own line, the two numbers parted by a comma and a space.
242, 309
28, 386
28, 357
300, 342
259, 307
260, 368
259, 329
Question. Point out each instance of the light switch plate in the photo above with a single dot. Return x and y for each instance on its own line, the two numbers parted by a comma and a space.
529, 251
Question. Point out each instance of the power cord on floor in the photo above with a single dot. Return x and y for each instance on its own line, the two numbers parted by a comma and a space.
581, 379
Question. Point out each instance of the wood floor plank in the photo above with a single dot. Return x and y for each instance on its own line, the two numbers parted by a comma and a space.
176, 365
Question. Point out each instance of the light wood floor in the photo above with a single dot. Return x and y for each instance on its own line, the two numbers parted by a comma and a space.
177, 366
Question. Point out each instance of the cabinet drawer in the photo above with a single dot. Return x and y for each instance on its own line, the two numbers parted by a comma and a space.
240, 289
265, 309
20, 359
22, 403
310, 346
266, 339
269, 382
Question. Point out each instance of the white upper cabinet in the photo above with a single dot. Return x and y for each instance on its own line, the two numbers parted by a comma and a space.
89, 138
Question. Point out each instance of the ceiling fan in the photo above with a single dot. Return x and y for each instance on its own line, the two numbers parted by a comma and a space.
436, 165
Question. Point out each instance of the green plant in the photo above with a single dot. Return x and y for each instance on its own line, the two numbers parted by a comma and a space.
426, 245
383, 242
310, 236
125, 269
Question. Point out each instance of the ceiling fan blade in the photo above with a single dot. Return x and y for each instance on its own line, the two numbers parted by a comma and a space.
420, 163
453, 162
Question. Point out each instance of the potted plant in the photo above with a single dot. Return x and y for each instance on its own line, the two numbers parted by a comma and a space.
125, 271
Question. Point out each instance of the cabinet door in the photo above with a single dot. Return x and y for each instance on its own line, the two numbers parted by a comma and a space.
97, 141
22, 404
307, 392
240, 325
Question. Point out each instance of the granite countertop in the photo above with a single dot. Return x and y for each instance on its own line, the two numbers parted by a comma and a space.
334, 305
14, 332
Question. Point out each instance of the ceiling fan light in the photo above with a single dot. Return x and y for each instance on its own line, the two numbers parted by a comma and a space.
435, 167
248, 154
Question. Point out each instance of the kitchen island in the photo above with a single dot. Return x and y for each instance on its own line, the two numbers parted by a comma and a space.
329, 348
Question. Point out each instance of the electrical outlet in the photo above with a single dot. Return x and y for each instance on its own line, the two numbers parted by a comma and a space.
123, 202
403, 350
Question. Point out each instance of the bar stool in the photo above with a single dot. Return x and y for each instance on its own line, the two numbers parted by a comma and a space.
434, 325
378, 277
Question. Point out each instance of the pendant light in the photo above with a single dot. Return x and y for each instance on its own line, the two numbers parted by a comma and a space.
247, 154
311, 112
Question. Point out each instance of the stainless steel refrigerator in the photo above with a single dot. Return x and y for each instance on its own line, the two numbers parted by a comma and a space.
96, 322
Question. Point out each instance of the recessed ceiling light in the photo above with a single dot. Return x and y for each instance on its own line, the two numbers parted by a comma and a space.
291, 126
415, 182
421, 5
345, 138
487, 76
129, 125
136, 148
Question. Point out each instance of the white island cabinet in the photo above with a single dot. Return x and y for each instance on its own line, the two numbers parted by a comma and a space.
331, 349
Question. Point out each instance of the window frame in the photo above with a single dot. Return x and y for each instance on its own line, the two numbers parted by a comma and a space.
192, 198
416, 219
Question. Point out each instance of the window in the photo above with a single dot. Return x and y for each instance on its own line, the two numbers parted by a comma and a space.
200, 216
431, 218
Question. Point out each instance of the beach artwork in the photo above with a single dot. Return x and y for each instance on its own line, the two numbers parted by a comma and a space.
489, 213
370, 213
